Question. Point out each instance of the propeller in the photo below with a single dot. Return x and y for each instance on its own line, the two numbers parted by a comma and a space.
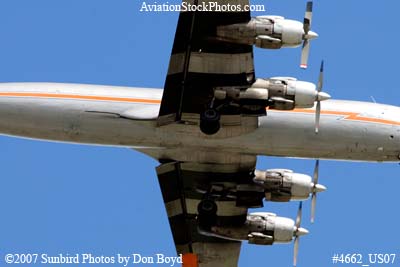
308, 35
299, 231
320, 96
317, 188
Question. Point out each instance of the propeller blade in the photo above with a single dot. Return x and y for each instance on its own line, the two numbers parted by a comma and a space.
308, 17
316, 173
296, 251
317, 188
298, 218
321, 77
306, 26
298, 231
308, 35
313, 205
305, 51
317, 116
314, 192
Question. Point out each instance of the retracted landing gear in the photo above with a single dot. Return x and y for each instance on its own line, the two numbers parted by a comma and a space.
207, 217
210, 121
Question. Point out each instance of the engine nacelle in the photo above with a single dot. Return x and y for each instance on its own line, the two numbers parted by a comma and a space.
291, 32
288, 93
281, 93
284, 93
282, 185
261, 228
270, 32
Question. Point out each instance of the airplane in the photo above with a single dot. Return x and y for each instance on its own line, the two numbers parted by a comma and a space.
219, 173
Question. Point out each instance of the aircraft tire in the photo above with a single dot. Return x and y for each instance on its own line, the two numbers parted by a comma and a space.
210, 121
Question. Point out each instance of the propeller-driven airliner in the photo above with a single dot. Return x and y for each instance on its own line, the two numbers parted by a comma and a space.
209, 123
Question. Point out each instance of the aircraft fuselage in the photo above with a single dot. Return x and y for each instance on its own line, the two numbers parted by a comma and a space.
123, 116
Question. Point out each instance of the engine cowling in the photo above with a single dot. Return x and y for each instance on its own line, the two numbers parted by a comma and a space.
269, 32
282, 185
281, 93
288, 93
261, 228
291, 32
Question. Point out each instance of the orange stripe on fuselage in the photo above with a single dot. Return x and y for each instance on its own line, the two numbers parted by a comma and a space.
82, 97
352, 116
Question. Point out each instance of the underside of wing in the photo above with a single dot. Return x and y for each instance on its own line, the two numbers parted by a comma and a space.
207, 194
211, 71
211, 84
200, 62
200, 196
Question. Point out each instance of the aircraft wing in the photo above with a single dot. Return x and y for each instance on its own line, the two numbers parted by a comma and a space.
185, 184
200, 62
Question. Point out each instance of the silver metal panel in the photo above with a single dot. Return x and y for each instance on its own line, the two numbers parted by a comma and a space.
349, 130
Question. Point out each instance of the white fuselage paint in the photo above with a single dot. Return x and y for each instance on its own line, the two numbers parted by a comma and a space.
88, 114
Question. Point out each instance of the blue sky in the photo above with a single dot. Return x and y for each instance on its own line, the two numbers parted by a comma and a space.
62, 198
